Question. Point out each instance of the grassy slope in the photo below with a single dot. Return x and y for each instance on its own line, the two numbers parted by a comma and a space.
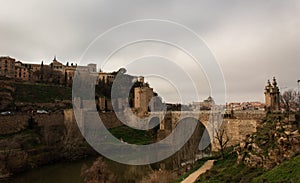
228, 171
132, 136
197, 166
288, 171
40, 93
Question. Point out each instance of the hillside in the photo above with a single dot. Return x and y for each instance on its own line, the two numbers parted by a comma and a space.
269, 155
6, 98
288, 171
22, 96
228, 170
40, 93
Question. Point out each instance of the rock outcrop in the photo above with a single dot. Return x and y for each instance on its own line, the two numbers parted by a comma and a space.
277, 139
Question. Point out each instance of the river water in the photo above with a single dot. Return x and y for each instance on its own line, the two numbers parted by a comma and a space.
69, 172
55, 173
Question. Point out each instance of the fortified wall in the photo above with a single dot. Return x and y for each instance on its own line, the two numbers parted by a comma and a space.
237, 127
241, 124
11, 124
109, 119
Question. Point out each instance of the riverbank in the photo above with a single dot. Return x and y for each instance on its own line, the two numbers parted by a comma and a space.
59, 172
52, 139
28, 141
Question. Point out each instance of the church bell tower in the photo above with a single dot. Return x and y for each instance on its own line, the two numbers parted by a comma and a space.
272, 96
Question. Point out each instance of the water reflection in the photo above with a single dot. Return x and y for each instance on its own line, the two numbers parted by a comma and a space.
58, 173
70, 172
104, 170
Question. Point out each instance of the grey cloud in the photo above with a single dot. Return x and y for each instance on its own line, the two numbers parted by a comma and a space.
252, 40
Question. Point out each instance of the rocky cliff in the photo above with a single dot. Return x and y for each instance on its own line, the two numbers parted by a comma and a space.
277, 139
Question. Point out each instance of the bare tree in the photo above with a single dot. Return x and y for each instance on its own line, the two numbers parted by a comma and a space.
72, 140
97, 173
289, 99
7, 154
159, 176
223, 139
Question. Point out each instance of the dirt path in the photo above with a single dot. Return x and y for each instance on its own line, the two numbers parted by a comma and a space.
192, 178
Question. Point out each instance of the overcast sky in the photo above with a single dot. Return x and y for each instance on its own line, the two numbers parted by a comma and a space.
251, 40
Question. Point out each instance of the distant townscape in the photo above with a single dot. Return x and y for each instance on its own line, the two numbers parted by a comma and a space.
58, 73
55, 72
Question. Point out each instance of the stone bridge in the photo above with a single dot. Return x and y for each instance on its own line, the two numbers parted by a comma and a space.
237, 125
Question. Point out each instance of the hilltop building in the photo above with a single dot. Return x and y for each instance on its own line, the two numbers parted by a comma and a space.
106, 77
25, 71
57, 66
206, 104
69, 74
239, 106
7, 67
55, 72
142, 97
272, 96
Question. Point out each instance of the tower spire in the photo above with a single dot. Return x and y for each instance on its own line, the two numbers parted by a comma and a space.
274, 81
272, 96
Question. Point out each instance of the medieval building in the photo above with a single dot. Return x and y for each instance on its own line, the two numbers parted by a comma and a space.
142, 97
55, 72
7, 67
272, 96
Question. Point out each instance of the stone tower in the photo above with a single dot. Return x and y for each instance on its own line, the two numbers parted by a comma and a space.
142, 97
272, 96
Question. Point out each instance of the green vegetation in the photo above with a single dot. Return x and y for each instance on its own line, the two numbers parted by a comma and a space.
264, 136
132, 136
227, 170
40, 93
199, 163
5, 90
288, 171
